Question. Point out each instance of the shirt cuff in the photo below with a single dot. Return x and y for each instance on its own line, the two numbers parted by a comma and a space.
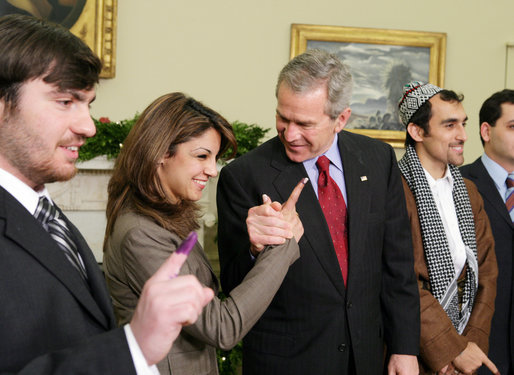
138, 358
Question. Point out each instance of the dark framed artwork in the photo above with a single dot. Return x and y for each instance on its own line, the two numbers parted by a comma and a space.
94, 21
381, 62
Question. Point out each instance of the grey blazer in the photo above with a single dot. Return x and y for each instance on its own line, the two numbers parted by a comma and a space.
136, 249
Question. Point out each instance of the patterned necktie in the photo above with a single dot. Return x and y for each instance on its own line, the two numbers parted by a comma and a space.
334, 208
48, 215
509, 196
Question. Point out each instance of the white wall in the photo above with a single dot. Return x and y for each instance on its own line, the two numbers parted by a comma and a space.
228, 53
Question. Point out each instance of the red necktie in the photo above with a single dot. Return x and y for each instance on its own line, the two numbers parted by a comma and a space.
334, 208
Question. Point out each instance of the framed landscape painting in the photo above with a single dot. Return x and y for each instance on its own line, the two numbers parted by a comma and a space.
381, 62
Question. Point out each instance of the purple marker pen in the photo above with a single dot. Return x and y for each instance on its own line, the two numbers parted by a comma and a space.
185, 247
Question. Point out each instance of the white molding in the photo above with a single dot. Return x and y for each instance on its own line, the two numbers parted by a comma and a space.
97, 163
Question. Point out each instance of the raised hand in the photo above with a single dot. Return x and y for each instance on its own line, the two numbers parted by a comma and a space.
272, 223
289, 210
166, 304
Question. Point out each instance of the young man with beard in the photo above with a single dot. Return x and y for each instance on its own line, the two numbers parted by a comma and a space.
56, 315
453, 245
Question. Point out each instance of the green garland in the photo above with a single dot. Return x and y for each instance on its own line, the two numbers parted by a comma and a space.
110, 136
108, 140
248, 137
229, 360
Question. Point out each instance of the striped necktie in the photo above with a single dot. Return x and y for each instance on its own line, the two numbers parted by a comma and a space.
509, 196
48, 215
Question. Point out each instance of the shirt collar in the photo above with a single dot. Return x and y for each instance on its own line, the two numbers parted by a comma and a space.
332, 154
495, 170
447, 178
23, 193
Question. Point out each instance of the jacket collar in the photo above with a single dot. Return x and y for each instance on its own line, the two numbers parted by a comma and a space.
487, 188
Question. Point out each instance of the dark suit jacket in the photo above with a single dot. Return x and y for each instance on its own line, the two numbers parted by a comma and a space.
315, 325
51, 321
501, 340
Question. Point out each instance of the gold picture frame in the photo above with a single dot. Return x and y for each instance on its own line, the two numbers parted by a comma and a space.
420, 53
93, 21
96, 26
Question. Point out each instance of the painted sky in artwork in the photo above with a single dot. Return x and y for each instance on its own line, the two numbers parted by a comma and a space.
370, 65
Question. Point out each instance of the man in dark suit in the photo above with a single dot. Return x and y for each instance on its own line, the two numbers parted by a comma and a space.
489, 173
354, 285
56, 315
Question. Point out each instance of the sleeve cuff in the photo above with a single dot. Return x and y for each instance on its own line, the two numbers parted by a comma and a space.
138, 358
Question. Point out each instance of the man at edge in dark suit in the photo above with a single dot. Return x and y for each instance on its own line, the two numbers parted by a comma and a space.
56, 315
489, 173
353, 287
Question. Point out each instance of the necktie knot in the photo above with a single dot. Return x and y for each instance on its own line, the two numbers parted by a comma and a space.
323, 167
510, 180
323, 164
45, 211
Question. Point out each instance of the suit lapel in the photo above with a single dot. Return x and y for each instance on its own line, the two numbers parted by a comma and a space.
96, 278
34, 239
316, 234
356, 175
207, 264
487, 188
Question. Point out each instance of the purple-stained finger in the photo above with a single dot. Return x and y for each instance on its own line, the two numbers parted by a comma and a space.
183, 251
187, 245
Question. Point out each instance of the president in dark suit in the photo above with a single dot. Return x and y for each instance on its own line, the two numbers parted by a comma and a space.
354, 287
490, 173
56, 315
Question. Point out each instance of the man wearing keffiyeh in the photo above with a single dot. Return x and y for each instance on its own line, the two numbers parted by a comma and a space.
453, 246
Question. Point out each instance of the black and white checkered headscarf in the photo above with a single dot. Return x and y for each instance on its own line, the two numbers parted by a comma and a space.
441, 270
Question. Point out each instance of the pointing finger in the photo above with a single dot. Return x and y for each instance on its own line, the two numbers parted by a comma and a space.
491, 366
293, 198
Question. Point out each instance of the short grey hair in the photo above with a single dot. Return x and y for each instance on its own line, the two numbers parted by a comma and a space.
314, 68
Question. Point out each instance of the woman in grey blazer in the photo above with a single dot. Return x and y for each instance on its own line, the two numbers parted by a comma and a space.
164, 165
